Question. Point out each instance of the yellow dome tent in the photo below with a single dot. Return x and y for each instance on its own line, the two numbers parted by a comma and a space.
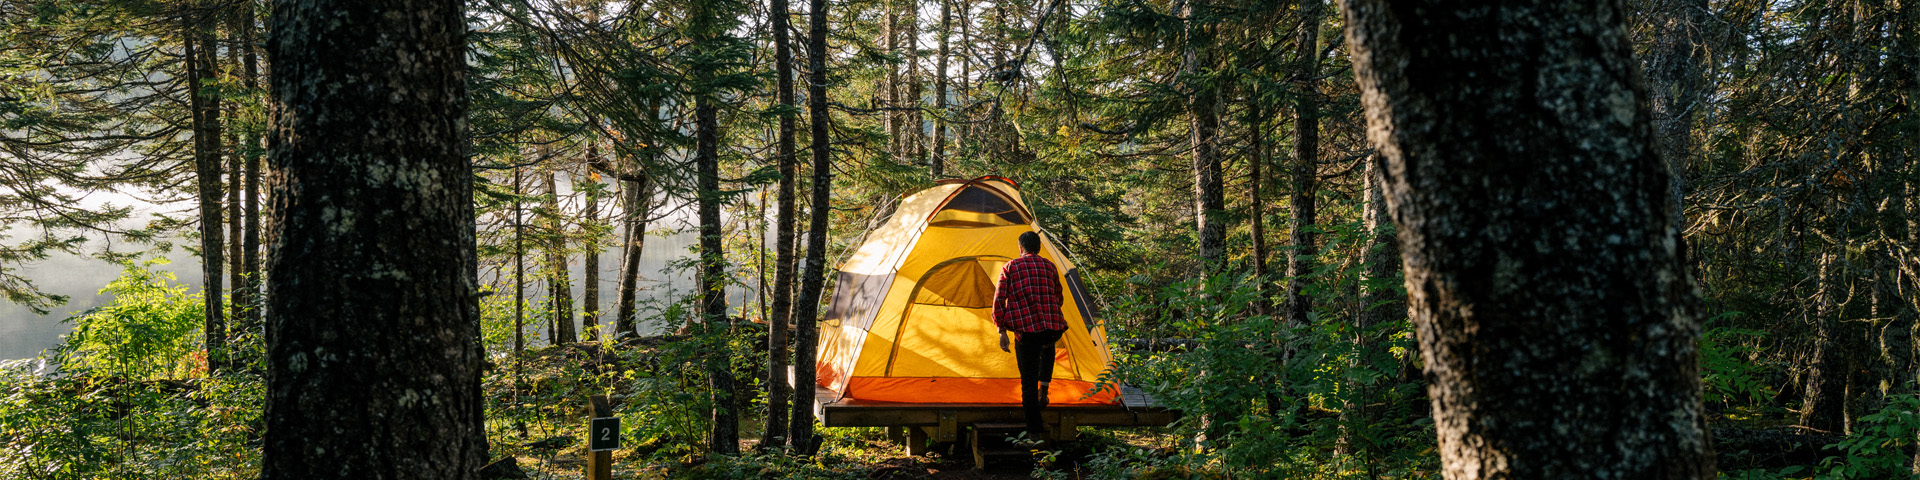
911, 317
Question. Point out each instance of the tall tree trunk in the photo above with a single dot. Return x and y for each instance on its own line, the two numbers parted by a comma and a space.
1823, 389
374, 353
1257, 136
590, 244
915, 147
205, 107
778, 391
937, 162
890, 38
1209, 203
250, 238
1306, 156
1380, 301
807, 303
713, 284
519, 281
1674, 77
236, 223
639, 207
1543, 256
560, 287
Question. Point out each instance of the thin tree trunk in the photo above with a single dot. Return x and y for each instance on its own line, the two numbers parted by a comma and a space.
713, 284
937, 162
1823, 389
890, 38
779, 392
1544, 265
1204, 122
1380, 301
236, 223
590, 240
560, 287
250, 239
915, 147
807, 304
519, 282
374, 353
639, 207
1257, 136
205, 107
1306, 156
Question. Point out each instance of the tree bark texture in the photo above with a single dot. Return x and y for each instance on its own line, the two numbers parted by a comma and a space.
373, 347
1544, 263
806, 304
713, 278
1674, 79
1209, 202
1306, 160
205, 110
778, 391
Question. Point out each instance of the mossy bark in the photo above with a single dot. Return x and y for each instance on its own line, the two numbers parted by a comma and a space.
1545, 270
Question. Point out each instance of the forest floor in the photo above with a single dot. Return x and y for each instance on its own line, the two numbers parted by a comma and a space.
863, 456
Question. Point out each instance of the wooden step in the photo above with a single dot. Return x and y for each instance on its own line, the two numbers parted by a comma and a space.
989, 440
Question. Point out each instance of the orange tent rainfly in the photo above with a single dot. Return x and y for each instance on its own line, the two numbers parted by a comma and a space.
911, 319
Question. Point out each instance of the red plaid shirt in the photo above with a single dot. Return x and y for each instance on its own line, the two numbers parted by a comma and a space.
1028, 299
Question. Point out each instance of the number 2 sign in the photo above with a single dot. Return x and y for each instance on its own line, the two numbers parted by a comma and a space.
604, 434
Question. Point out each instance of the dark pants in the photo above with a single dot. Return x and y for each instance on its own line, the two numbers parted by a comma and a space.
1033, 351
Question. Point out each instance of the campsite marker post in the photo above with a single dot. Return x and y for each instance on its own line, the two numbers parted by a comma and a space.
603, 437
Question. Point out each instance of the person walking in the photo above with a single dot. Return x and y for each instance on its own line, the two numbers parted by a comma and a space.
1028, 303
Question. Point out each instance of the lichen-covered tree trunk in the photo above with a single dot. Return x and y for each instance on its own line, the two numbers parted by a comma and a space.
1306, 160
778, 391
373, 321
807, 303
1545, 271
204, 106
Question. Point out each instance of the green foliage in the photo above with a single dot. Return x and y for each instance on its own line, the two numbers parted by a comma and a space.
148, 331
1724, 377
1881, 445
91, 427
1282, 422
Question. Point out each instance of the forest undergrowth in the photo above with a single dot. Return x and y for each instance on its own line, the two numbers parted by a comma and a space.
126, 396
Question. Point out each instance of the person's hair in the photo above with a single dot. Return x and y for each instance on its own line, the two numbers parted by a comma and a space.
1030, 242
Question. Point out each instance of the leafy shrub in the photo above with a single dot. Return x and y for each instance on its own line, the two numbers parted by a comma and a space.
1881, 444
148, 331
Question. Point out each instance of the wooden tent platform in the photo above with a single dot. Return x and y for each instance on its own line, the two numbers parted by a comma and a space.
942, 422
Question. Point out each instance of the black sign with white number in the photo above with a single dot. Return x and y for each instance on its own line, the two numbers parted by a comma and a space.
604, 434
